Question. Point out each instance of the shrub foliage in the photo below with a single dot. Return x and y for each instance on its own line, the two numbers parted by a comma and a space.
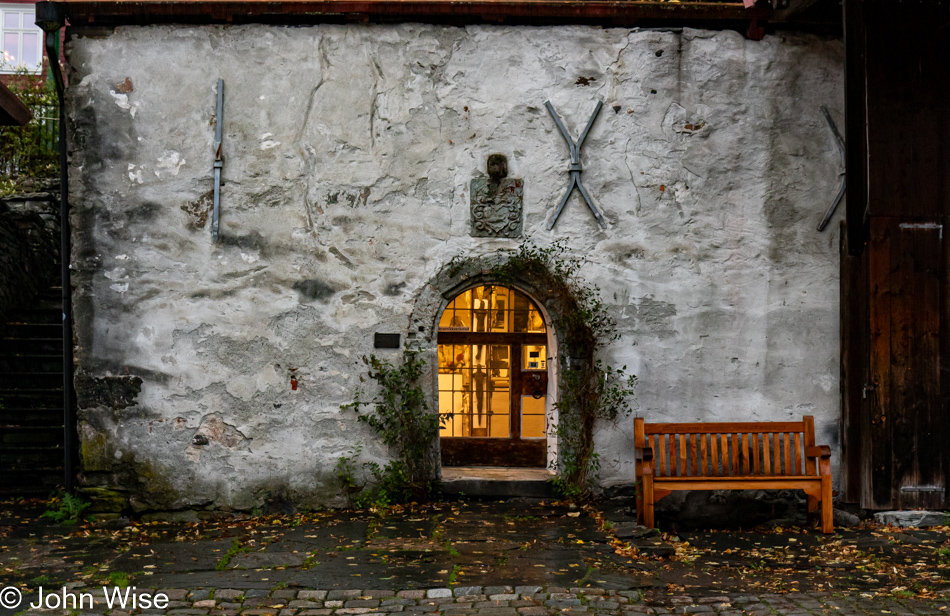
30, 152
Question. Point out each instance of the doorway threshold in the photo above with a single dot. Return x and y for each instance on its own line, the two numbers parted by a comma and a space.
496, 481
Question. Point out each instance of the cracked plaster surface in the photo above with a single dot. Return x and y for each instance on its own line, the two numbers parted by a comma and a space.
349, 151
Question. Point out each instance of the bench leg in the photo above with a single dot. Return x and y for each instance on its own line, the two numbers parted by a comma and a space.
648, 501
812, 494
639, 491
827, 517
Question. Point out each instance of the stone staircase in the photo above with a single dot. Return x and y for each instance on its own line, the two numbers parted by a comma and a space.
31, 398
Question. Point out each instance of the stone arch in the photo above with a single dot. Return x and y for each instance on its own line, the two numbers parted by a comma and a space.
461, 274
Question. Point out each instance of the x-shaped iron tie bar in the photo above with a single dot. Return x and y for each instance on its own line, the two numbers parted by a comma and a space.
575, 168
842, 171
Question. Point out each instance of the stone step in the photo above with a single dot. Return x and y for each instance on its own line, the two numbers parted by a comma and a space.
30, 362
19, 344
479, 481
43, 314
17, 381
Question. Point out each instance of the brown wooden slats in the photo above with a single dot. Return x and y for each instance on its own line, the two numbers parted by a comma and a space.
710, 454
683, 456
719, 428
724, 449
670, 451
796, 451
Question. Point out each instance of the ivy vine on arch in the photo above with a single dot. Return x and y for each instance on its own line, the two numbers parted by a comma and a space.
590, 391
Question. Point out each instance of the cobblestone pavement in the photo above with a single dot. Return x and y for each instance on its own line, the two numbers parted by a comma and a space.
477, 601
510, 558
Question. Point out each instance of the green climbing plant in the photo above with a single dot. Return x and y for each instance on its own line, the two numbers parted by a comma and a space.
31, 151
399, 414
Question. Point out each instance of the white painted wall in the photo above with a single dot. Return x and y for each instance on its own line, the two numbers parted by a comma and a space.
349, 152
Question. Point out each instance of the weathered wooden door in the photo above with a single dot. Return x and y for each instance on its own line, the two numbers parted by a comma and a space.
895, 350
493, 380
900, 422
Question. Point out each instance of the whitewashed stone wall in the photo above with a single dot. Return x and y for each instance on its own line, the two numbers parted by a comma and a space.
349, 152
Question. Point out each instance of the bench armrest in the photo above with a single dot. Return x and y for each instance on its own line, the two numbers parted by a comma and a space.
823, 453
644, 459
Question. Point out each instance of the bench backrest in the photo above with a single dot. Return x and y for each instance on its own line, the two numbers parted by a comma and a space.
728, 449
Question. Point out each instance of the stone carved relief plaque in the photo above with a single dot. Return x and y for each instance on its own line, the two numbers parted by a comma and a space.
497, 202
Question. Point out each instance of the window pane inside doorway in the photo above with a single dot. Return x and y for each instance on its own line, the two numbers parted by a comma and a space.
492, 308
474, 390
532, 417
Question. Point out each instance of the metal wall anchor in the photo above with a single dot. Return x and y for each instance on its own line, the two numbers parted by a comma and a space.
842, 172
218, 163
575, 168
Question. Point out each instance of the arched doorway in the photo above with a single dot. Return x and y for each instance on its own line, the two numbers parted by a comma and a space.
493, 379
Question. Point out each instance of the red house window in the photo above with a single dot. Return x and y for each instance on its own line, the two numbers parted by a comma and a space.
21, 42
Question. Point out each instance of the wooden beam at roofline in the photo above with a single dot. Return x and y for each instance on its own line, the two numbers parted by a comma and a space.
792, 10
12, 111
614, 12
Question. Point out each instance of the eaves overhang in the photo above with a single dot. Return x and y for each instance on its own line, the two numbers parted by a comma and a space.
604, 12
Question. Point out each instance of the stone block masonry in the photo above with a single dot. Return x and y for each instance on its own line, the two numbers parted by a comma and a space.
29, 247
349, 154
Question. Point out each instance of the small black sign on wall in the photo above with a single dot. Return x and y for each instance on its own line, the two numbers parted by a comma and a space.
386, 341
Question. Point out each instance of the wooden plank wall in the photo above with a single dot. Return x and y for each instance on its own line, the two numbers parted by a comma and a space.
855, 128
894, 267
908, 139
907, 436
854, 366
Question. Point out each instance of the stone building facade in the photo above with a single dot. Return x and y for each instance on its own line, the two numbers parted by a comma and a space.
212, 374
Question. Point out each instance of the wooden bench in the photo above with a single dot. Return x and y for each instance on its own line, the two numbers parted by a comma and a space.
731, 456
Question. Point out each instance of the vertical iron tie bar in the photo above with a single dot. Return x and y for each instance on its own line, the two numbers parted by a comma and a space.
218, 163
842, 172
575, 167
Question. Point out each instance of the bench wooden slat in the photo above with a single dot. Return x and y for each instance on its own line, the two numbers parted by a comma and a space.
667, 455
684, 459
703, 452
693, 439
796, 459
662, 448
674, 463
718, 428
724, 448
